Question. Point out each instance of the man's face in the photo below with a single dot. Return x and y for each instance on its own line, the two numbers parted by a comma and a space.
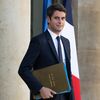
57, 21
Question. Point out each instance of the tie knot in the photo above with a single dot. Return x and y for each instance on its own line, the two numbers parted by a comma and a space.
58, 38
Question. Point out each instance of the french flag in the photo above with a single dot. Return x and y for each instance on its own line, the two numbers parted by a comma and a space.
68, 32
46, 4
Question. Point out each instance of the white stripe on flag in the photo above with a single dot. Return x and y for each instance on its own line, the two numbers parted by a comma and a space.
68, 32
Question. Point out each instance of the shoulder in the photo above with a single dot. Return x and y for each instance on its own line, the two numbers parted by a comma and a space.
37, 37
40, 38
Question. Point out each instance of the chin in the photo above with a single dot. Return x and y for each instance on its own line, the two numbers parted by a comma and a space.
59, 30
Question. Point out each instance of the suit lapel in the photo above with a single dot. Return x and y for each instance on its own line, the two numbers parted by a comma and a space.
66, 48
51, 44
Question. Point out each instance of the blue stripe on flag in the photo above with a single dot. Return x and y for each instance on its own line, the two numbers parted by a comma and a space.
67, 5
46, 3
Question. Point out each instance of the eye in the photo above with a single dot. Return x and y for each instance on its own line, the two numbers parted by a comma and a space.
63, 18
56, 18
59, 18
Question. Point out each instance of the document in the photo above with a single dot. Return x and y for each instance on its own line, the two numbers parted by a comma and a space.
54, 77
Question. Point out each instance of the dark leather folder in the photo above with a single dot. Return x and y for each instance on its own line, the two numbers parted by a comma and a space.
54, 77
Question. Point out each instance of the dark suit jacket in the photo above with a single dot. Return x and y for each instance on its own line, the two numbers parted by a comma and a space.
41, 53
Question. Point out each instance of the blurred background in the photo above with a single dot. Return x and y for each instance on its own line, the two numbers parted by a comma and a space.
20, 20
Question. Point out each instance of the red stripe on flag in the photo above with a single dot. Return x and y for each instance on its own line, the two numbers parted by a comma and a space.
76, 87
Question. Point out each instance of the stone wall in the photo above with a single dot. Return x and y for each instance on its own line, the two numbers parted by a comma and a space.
89, 48
14, 39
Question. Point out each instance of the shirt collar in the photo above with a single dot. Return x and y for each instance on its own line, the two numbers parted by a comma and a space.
53, 35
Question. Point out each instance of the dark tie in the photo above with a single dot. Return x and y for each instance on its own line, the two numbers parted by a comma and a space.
59, 50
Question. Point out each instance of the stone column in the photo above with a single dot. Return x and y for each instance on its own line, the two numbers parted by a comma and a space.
89, 48
14, 40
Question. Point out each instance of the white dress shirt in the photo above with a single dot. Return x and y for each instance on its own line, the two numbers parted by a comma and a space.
53, 35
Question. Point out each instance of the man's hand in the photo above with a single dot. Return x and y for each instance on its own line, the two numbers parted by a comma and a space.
46, 93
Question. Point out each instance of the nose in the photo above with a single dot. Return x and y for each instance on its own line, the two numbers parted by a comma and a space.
60, 20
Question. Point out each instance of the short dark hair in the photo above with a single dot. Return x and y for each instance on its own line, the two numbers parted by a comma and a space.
51, 9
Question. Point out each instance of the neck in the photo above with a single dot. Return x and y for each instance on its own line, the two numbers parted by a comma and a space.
55, 32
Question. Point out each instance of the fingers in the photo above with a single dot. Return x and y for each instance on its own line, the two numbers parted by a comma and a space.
53, 92
50, 96
47, 93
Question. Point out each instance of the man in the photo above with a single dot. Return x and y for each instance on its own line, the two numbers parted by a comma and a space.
43, 51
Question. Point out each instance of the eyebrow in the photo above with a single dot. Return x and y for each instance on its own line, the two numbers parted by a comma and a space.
60, 17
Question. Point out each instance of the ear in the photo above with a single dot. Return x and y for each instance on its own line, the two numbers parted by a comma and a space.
48, 19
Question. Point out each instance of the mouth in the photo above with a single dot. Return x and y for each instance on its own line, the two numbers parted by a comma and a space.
59, 26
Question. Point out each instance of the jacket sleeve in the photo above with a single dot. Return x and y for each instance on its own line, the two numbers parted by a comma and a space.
26, 66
